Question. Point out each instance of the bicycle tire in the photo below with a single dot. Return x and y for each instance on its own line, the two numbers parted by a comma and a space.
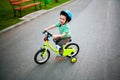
39, 54
77, 49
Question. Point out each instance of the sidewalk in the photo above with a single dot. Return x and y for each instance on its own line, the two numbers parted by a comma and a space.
32, 16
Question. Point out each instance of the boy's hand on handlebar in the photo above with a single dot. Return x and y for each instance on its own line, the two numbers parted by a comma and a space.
44, 31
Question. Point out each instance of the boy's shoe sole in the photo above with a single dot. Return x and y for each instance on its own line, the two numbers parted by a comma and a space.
59, 58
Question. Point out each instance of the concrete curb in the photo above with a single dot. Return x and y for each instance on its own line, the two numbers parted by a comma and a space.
25, 20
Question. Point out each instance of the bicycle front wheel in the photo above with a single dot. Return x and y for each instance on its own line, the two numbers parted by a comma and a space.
41, 56
74, 46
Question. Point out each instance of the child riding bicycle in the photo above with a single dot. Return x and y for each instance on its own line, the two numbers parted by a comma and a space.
64, 31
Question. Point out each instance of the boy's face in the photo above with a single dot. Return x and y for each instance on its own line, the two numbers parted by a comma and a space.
62, 19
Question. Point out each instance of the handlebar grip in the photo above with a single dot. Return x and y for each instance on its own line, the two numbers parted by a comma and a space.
48, 34
44, 32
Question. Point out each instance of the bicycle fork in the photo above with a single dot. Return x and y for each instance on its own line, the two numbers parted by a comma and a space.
44, 51
45, 48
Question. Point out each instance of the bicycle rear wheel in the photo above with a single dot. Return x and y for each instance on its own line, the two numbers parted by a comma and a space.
41, 57
74, 46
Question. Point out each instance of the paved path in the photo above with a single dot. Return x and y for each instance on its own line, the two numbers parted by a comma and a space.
95, 27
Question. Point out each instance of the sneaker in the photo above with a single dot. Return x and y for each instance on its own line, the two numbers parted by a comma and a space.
59, 57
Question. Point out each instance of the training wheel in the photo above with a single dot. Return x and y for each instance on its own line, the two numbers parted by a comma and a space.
73, 60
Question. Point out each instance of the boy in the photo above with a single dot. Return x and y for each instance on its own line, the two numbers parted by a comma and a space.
64, 36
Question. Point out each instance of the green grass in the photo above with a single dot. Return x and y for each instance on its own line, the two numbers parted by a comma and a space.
6, 13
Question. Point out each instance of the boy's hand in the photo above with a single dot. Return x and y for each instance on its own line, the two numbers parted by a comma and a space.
56, 36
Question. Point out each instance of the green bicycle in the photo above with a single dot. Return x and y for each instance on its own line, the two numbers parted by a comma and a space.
42, 56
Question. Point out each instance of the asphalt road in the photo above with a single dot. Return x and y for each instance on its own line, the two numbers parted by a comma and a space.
95, 27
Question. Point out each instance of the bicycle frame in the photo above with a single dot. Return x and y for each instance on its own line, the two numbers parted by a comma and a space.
70, 50
66, 52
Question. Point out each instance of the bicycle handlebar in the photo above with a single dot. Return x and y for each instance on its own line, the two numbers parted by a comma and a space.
48, 34
44, 32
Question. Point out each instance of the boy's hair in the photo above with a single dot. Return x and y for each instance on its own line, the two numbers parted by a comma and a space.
68, 15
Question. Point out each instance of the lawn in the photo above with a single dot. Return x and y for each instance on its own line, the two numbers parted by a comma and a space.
6, 13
